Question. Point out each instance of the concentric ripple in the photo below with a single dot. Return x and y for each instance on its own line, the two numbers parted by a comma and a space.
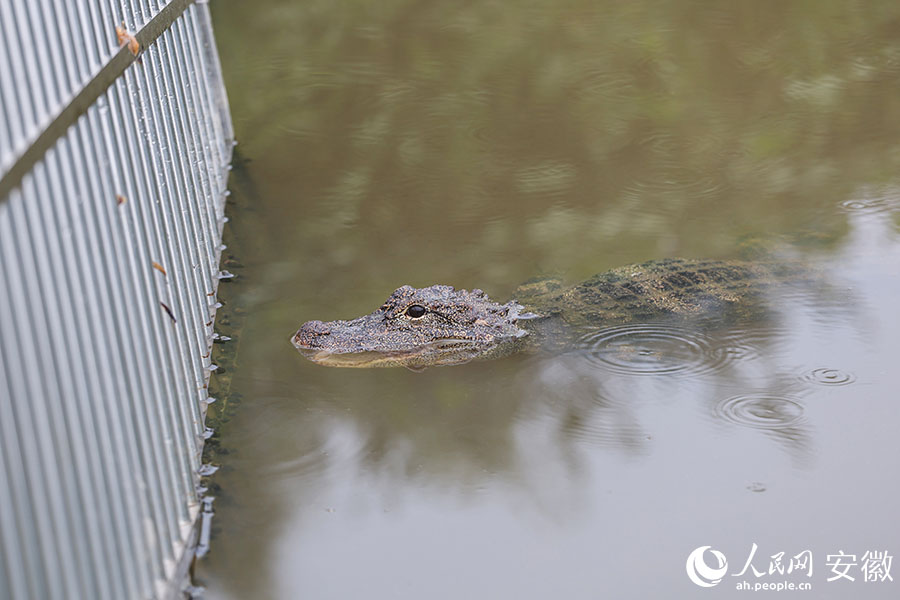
646, 349
761, 411
826, 376
673, 182
752, 343
872, 204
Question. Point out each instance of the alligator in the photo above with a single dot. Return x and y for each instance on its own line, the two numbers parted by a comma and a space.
441, 325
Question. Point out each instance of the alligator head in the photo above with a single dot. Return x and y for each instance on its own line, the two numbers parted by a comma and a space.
415, 328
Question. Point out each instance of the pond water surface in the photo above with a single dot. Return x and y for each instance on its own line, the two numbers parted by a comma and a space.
482, 144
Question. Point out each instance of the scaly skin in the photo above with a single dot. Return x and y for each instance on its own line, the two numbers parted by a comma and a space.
439, 325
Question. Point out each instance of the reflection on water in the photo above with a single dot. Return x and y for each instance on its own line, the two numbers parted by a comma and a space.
482, 144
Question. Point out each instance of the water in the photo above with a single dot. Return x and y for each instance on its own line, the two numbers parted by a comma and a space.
479, 145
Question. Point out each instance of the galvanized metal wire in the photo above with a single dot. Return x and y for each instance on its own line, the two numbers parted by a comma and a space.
109, 248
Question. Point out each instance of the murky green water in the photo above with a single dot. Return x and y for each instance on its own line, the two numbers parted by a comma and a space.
481, 144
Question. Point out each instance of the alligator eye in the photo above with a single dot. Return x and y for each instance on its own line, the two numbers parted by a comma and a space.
416, 311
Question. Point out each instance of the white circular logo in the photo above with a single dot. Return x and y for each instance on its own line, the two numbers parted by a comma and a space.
700, 572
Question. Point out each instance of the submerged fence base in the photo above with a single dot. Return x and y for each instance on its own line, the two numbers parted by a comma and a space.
113, 171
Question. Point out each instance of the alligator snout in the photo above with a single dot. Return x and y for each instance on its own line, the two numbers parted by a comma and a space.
310, 334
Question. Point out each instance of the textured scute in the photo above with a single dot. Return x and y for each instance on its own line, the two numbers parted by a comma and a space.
667, 288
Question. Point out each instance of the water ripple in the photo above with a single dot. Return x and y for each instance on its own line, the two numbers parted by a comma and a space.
311, 455
753, 343
881, 203
647, 349
826, 376
673, 183
549, 178
761, 411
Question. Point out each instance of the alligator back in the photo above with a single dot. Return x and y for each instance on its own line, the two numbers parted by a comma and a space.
670, 288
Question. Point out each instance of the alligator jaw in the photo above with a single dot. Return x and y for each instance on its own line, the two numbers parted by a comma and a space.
357, 360
437, 353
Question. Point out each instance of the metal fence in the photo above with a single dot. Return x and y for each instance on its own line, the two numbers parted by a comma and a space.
113, 173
